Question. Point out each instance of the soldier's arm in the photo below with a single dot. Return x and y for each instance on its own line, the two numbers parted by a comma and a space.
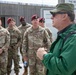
25, 45
7, 41
19, 39
46, 40
50, 34
19, 27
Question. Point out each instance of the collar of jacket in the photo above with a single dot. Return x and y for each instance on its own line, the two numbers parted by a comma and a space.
38, 29
66, 30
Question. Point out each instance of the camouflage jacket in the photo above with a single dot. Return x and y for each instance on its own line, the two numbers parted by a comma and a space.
4, 39
15, 36
23, 29
35, 38
49, 33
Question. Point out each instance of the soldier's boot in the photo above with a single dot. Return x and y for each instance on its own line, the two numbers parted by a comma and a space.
20, 66
25, 71
17, 73
8, 73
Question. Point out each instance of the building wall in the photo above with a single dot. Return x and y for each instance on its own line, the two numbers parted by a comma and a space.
17, 10
61, 1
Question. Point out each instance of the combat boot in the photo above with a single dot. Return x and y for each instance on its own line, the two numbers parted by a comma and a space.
20, 67
17, 73
8, 73
25, 71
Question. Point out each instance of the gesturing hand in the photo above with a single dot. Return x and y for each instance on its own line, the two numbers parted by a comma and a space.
40, 53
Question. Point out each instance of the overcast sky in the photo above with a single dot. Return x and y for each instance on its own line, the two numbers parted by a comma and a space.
47, 2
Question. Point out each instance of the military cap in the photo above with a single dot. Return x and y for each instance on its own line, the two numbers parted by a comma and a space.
9, 20
66, 7
34, 17
41, 20
22, 18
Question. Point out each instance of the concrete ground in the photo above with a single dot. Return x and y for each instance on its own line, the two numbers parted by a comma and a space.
21, 69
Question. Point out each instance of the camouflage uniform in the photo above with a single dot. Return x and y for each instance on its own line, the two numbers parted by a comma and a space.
42, 24
4, 44
49, 33
23, 29
15, 40
33, 39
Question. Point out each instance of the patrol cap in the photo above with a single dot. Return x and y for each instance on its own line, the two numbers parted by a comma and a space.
34, 17
67, 7
22, 18
42, 20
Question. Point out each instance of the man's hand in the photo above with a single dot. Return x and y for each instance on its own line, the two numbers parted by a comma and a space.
40, 53
25, 64
1, 51
25, 58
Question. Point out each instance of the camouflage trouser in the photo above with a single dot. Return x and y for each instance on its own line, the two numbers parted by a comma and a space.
13, 55
3, 64
36, 67
37, 70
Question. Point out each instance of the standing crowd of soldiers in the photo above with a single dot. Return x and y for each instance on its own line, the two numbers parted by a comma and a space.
28, 38
34, 41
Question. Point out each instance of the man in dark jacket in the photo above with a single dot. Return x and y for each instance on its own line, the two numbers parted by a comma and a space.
61, 58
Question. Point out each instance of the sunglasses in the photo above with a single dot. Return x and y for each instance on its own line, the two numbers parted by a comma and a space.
54, 14
42, 21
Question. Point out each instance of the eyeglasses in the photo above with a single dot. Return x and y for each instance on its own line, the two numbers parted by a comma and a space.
54, 14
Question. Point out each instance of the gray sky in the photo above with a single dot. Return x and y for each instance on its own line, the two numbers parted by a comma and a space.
47, 2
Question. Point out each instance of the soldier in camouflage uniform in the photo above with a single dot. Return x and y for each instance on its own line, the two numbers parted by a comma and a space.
41, 23
4, 44
15, 39
23, 28
35, 37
